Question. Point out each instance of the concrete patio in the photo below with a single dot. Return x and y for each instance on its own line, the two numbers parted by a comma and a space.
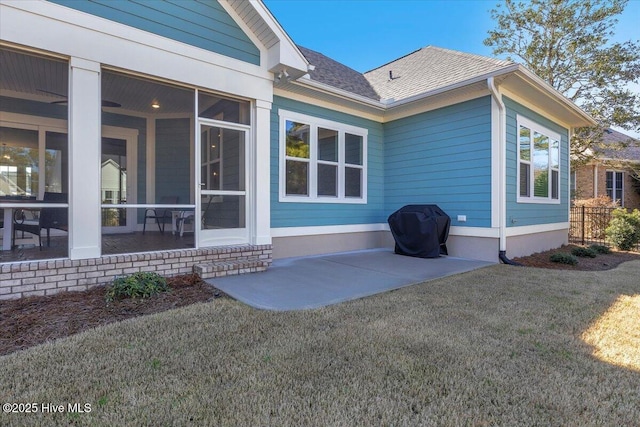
318, 281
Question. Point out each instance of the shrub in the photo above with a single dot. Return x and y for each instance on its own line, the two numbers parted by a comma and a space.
624, 229
563, 258
584, 252
597, 202
136, 285
601, 249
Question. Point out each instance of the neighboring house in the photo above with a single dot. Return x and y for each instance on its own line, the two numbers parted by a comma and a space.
279, 150
611, 172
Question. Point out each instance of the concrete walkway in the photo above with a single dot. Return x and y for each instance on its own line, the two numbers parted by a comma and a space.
318, 281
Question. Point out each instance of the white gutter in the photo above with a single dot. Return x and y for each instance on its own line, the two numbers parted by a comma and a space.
543, 85
502, 146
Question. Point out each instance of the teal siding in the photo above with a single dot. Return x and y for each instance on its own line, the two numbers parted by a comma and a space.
442, 157
319, 214
172, 159
203, 24
520, 214
33, 108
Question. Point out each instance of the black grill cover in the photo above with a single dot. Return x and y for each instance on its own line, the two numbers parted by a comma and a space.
420, 230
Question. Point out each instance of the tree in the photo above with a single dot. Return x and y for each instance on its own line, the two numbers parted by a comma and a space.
567, 43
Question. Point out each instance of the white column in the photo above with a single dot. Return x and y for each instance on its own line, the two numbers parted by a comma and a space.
261, 191
84, 159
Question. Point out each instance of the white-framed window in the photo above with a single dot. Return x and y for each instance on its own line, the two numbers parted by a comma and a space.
615, 186
321, 161
538, 163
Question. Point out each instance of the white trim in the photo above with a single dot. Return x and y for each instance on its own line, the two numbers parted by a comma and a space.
33, 122
51, 26
525, 103
536, 127
227, 236
327, 229
342, 129
539, 228
284, 53
493, 232
536, 82
364, 228
260, 173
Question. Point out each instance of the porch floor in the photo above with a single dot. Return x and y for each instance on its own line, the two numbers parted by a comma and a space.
112, 244
318, 281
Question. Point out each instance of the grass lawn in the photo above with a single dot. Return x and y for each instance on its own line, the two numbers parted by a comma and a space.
498, 346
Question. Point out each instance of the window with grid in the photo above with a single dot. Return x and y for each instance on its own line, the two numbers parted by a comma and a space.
321, 160
538, 163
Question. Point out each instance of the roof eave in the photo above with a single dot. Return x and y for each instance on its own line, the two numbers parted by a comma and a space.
392, 103
582, 118
283, 55
341, 93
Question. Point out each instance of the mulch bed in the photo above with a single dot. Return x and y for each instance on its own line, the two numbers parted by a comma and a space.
601, 262
34, 320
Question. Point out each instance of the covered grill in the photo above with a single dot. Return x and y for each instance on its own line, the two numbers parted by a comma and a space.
420, 230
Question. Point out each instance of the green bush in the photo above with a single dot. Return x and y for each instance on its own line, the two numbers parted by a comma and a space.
136, 285
601, 249
584, 252
563, 258
624, 229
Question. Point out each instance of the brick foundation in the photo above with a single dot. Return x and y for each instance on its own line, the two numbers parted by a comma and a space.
49, 277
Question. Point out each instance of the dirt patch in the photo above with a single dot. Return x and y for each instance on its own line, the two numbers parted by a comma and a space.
34, 320
599, 263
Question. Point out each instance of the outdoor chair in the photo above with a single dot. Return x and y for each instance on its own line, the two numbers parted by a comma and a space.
188, 217
161, 215
48, 218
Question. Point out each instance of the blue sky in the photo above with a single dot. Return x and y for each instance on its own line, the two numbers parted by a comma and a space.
365, 34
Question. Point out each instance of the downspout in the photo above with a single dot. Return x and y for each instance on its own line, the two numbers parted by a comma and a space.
502, 145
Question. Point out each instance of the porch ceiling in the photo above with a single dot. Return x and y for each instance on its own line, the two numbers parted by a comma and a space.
45, 80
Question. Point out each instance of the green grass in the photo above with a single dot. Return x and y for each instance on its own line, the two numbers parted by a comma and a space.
497, 346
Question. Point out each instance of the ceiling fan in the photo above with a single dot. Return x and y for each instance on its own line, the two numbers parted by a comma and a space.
105, 103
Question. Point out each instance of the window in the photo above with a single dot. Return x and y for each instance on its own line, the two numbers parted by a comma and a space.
615, 190
321, 161
538, 163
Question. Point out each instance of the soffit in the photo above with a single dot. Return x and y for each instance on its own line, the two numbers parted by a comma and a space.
543, 99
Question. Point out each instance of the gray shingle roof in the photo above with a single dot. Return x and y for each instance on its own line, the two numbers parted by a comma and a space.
428, 69
623, 146
337, 75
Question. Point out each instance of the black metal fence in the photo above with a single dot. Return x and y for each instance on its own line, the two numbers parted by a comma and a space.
588, 224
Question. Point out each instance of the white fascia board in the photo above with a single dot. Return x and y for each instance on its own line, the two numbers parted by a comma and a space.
546, 88
533, 229
62, 30
285, 53
334, 103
